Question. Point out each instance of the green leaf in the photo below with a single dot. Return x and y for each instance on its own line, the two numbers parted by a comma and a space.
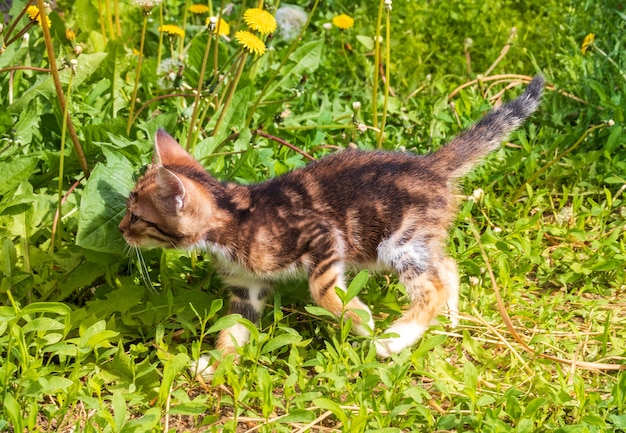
172, 367
298, 416
356, 285
47, 307
224, 323
280, 341
42, 324
14, 411
306, 60
103, 205
119, 409
14, 172
318, 311
327, 404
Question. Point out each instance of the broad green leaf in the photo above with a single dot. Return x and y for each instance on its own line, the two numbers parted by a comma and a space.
356, 285
42, 324
318, 311
306, 60
172, 367
298, 416
47, 307
119, 409
224, 322
14, 411
280, 341
334, 407
15, 171
103, 205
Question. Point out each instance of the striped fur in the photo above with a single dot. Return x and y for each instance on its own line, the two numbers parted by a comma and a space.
380, 210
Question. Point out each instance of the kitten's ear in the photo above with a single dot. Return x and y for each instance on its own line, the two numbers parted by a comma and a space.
167, 151
171, 189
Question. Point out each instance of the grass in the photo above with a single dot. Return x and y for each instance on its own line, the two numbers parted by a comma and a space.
94, 340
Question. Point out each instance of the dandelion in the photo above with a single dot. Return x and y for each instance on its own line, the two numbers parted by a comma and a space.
290, 20
70, 35
327, 26
199, 9
169, 72
250, 42
343, 21
260, 20
172, 30
146, 5
221, 28
587, 42
34, 15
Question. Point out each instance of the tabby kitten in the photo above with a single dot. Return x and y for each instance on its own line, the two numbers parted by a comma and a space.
354, 209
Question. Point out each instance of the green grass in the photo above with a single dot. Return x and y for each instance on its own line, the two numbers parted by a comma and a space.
89, 342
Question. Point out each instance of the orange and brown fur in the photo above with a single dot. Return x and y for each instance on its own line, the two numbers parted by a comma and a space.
354, 209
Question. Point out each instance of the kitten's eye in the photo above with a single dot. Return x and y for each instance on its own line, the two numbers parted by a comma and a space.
133, 218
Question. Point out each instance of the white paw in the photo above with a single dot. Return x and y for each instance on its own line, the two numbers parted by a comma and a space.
202, 367
408, 334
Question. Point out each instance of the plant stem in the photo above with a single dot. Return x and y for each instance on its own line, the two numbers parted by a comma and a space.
231, 92
280, 67
381, 134
57, 217
196, 103
376, 65
17, 20
134, 96
54, 70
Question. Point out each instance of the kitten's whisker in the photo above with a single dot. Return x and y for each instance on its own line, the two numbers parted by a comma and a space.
143, 270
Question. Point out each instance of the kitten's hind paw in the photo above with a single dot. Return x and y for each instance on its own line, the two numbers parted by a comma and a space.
203, 368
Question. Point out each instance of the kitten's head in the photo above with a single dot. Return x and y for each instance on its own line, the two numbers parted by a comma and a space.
170, 205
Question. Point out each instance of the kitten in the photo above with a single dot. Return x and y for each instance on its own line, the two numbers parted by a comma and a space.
357, 209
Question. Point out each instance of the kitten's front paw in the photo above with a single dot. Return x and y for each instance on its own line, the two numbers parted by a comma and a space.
202, 367
408, 334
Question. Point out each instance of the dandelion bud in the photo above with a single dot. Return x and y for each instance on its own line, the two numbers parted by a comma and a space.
610, 122
26, 37
361, 127
78, 49
356, 105
327, 26
388, 5
474, 281
497, 229
73, 64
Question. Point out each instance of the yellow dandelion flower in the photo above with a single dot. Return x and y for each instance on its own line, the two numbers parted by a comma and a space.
260, 20
587, 42
199, 9
221, 28
343, 21
70, 35
250, 42
34, 15
172, 30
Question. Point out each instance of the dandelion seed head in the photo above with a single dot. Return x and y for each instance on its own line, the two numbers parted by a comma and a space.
168, 72
260, 20
290, 20
146, 5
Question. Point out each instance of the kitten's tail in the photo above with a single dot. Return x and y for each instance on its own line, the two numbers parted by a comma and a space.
461, 154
